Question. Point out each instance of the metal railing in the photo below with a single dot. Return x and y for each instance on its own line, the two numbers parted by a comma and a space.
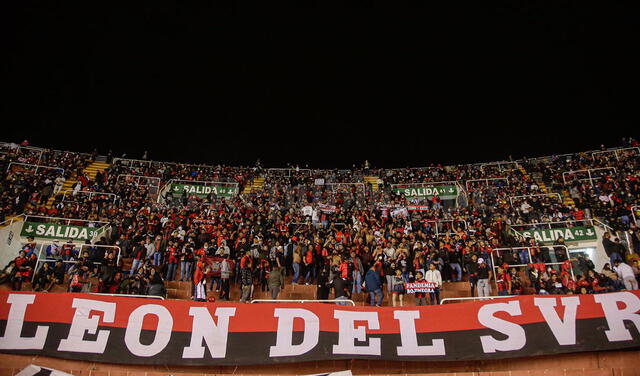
90, 194
41, 260
452, 221
137, 178
154, 188
495, 267
589, 221
11, 146
616, 150
10, 221
129, 296
125, 161
511, 198
67, 220
334, 301
588, 171
37, 166
477, 298
485, 180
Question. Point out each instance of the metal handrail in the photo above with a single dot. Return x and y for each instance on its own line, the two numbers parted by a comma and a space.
494, 267
129, 296
487, 180
588, 171
548, 224
615, 150
478, 298
511, 198
41, 260
12, 219
304, 301
452, 221
91, 193
139, 177
37, 166
68, 220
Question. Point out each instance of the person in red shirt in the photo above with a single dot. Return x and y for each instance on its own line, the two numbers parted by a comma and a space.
503, 281
172, 261
199, 282
23, 271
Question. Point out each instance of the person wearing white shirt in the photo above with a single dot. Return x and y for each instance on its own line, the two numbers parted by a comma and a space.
625, 272
433, 275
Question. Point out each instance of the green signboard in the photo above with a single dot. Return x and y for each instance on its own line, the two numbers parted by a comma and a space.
57, 231
445, 192
203, 190
573, 234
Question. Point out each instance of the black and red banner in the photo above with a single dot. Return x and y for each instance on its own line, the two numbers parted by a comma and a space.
139, 331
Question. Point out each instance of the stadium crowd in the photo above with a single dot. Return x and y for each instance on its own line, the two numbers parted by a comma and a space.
328, 228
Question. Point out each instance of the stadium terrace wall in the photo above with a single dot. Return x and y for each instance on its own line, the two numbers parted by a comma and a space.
137, 331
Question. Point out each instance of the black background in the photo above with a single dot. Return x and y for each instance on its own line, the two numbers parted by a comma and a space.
322, 83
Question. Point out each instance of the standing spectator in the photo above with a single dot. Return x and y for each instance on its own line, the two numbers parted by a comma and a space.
323, 285
276, 281
611, 248
483, 278
139, 255
151, 250
340, 288
472, 271
503, 281
373, 283
626, 275
156, 284
225, 275
172, 261
297, 261
186, 260
433, 275
397, 288
246, 280
199, 283
420, 297
357, 273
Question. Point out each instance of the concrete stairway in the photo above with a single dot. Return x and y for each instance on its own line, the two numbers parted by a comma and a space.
91, 171
566, 198
374, 181
15, 218
256, 184
528, 177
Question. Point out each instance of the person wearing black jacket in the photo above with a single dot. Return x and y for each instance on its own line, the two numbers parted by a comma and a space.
472, 272
611, 248
246, 281
340, 288
454, 262
323, 285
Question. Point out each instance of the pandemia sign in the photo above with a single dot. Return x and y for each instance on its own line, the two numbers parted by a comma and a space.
138, 331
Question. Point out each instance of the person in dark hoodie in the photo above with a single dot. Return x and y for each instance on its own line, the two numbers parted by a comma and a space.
374, 286
611, 248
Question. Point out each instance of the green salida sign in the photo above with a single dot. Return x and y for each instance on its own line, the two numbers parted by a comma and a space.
573, 234
203, 190
445, 192
57, 231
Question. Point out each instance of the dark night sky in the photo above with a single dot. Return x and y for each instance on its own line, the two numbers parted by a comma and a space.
320, 82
